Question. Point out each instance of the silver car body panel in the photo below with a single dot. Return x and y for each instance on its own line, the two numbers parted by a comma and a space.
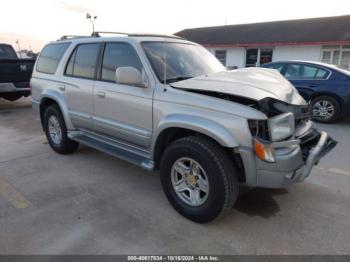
253, 83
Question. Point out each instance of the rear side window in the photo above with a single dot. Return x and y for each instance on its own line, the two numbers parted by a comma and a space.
50, 57
321, 74
82, 62
7, 52
118, 55
293, 72
305, 72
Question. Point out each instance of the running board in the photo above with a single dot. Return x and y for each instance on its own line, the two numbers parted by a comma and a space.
128, 153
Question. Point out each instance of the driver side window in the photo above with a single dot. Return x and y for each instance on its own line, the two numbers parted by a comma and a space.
118, 55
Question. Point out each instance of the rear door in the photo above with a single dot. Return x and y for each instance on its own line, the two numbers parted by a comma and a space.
305, 77
78, 82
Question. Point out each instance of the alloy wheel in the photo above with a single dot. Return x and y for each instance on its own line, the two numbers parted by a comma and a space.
190, 181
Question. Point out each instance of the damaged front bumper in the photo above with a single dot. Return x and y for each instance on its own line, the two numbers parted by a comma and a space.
293, 160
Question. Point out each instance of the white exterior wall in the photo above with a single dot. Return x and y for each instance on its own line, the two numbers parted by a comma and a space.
236, 56
311, 53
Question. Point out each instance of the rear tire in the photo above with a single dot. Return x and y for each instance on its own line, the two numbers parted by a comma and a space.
56, 131
217, 181
325, 109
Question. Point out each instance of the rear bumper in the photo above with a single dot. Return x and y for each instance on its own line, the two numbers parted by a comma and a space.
293, 160
11, 88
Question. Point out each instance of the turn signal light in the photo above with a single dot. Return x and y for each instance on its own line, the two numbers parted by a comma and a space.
263, 151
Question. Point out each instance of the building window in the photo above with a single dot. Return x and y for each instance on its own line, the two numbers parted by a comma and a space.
221, 56
258, 56
336, 55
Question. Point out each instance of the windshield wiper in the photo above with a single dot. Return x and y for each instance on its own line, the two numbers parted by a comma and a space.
176, 79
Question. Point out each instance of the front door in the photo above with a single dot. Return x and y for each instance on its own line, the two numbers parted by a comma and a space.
122, 112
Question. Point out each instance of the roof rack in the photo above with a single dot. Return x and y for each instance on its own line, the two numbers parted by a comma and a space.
156, 35
97, 34
65, 37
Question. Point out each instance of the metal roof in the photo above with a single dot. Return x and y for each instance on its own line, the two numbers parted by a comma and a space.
323, 30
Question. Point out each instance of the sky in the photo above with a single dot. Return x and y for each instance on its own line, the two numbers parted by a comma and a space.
36, 22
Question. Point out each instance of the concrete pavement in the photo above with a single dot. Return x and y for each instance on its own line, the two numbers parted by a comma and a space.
92, 203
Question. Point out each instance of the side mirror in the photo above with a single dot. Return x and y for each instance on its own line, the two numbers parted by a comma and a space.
129, 76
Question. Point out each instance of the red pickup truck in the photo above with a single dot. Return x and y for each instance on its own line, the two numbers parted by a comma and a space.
15, 74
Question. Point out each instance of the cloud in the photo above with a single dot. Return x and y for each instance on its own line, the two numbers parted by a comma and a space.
76, 8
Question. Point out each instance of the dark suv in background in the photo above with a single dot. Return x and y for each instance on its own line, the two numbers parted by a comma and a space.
326, 86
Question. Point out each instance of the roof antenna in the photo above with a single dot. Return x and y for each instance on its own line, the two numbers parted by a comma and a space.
164, 59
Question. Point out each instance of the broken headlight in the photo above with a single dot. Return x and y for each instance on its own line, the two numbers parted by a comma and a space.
281, 126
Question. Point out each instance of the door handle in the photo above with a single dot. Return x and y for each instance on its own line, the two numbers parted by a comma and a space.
62, 87
313, 85
101, 94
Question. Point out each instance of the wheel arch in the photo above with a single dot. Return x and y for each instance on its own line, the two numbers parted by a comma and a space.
50, 99
177, 126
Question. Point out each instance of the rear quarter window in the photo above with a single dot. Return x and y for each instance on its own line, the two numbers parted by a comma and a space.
7, 52
50, 57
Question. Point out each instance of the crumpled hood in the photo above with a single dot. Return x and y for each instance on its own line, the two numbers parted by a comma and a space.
253, 83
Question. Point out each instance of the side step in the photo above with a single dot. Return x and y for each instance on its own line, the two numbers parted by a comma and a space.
128, 153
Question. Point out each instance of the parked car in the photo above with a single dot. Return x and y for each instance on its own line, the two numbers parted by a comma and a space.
167, 104
15, 74
326, 86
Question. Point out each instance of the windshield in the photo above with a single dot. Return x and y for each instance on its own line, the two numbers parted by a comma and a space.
183, 60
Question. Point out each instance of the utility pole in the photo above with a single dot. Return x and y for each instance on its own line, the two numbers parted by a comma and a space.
19, 48
92, 20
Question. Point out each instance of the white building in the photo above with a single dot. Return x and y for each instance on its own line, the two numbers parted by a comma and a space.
324, 39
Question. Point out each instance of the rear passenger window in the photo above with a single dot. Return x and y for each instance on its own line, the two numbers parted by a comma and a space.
82, 62
292, 72
50, 57
118, 55
309, 72
305, 72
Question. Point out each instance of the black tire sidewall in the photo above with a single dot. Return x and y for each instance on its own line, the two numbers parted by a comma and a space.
215, 202
334, 102
66, 145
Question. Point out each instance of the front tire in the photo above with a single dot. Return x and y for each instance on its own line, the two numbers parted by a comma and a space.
325, 109
199, 178
56, 131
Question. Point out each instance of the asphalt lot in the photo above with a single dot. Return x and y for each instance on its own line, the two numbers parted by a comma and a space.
91, 203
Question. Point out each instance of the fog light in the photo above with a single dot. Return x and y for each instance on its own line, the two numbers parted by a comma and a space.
263, 151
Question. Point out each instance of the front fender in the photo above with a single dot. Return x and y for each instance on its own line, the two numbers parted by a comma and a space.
59, 99
198, 124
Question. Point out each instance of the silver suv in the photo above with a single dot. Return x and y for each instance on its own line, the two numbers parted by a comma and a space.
167, 104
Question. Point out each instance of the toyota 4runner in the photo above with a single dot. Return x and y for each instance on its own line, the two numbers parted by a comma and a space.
167, 104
